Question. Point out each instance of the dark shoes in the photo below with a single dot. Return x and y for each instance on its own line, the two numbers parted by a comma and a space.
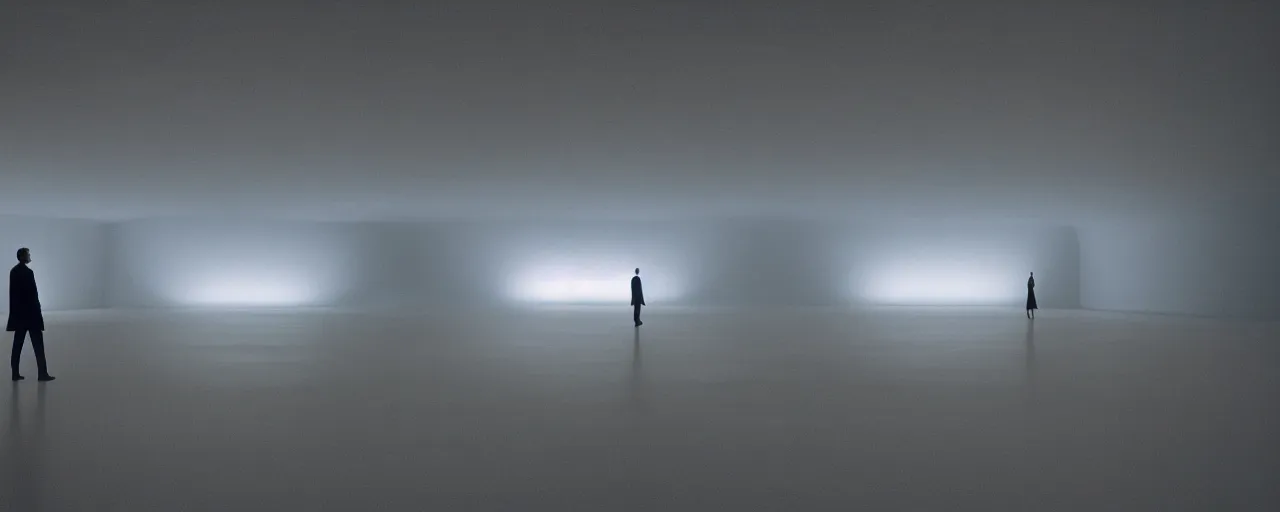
638, 324
42, 378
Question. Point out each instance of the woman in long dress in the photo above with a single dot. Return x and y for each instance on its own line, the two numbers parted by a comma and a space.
1031, 296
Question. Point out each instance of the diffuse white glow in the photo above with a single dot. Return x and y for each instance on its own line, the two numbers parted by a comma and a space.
616, 289
297, 264
588, 284
234, 263
947, 269
267, 292
942, 285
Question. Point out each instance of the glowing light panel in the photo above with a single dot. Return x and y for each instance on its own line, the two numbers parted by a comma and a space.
589, 284
202, 263
617, 289
249, 293
953, 263
944, 283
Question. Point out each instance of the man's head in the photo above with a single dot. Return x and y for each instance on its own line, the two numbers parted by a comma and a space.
24, 255
637, 271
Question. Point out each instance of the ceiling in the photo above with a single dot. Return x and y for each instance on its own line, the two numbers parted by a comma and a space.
644, 109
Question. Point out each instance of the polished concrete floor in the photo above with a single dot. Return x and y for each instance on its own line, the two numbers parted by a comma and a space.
574, 409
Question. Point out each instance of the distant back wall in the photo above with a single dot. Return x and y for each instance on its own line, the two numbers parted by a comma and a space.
68, 257
235, 262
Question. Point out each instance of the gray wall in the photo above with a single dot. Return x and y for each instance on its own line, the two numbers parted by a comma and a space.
949, 262
185, 262
1211, 266
231, 262
67, 258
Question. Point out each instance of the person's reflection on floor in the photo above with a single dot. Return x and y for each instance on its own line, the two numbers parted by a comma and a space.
1029, 363
635, 386
23, 445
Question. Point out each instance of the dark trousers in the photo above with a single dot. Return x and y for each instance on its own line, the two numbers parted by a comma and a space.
637, 315
37, 344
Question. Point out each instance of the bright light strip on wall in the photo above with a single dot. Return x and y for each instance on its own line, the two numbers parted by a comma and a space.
617, 289
221, 292
944, 283
568, 284
236, 263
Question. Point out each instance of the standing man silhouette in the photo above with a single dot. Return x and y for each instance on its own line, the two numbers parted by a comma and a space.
25, 316
637, 296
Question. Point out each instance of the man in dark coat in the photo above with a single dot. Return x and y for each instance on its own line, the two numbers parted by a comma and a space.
25, 316
637, 296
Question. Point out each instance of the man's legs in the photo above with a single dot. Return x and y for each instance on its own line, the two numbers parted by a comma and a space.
19, 337
37, 344
637, 315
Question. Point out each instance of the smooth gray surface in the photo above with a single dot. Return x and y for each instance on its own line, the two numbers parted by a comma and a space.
573, 409
1222, 267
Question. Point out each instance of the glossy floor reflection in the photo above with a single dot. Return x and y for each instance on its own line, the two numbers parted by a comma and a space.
574, 409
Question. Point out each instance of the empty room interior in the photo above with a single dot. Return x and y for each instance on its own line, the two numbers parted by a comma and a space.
347, 256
